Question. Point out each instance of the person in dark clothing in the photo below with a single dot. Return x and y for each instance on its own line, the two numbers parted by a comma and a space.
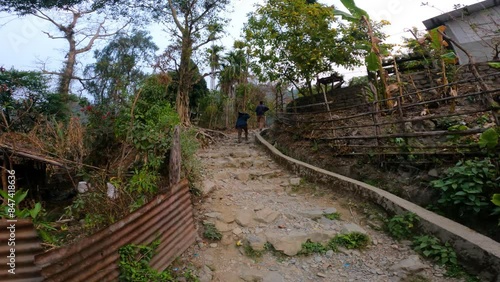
260, 111
241, 124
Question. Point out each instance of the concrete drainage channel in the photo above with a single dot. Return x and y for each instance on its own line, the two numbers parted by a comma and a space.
480, 254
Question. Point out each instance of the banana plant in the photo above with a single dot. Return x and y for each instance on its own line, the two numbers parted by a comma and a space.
374, 57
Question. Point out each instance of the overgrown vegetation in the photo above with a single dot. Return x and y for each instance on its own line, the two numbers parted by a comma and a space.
352, 240
402, 226
332, 216
210, 232
134, 265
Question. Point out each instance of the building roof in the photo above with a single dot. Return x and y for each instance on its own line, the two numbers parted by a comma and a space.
443, 18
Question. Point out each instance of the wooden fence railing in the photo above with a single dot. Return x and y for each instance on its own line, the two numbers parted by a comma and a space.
445, 119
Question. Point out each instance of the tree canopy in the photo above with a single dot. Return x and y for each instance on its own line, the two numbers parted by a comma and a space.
31, 6
119, 67
295, 40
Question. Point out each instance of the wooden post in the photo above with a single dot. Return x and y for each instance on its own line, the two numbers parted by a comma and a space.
399, 98
328, 108
375, 110
174, 166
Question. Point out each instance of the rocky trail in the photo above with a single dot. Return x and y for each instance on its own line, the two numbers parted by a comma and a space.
256, 203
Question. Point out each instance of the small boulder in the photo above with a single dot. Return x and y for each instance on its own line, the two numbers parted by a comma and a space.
410, 265
295, 181
266, 215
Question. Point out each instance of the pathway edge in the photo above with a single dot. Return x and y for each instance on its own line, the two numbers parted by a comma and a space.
480, 254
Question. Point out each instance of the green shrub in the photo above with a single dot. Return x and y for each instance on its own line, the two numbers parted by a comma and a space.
468, 187
430, 247
211, 232
251, 253
353, 240
312, 247
332, 216
402, 226
134, 264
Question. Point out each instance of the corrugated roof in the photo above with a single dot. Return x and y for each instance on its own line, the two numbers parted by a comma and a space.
442, 19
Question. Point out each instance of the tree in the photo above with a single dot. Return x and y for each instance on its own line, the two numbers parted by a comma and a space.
24, 97
198, 91
295, 41
194, 23
214, 60
118, 69
70, 15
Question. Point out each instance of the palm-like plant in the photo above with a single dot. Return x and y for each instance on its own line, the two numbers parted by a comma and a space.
234, 72
214, 61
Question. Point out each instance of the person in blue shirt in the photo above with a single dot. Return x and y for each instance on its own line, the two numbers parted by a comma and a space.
241, 124
260, 111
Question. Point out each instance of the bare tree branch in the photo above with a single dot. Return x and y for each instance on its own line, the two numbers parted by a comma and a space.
174, 16
53, 37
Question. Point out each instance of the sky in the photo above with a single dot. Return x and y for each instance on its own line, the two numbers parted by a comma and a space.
23, 45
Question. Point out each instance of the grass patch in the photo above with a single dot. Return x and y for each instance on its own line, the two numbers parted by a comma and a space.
211, 232
353, 240
251, 253
332, 216
309, 248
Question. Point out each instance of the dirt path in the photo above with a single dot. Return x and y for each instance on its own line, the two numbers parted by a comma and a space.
253, 200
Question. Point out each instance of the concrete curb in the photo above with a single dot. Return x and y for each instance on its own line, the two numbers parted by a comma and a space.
479, 254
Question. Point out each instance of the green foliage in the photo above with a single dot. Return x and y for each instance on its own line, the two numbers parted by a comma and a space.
294, 41
332, 216
489, 139
118, 69
496, 199
198, 92
430, 247
26, 7
359, 80
402, 226
12, 206
312, 247
352, 240
210, 108
251, 253
134, 264
495, 65
354, 9
447, 122
25, 98
191, 166
211, 232
147, 122
144, 181
468, 186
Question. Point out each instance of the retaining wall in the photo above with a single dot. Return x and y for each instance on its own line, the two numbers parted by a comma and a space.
479, 254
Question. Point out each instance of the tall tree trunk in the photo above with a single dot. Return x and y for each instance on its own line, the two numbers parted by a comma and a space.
69, 68
182, 100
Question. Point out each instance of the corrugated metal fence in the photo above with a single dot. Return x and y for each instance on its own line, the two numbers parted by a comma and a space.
26, 246
169, 217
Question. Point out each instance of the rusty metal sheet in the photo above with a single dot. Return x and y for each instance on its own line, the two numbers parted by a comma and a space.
26, 246
167, 217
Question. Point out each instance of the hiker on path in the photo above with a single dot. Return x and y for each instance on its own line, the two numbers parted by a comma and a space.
261, 111
241, 124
